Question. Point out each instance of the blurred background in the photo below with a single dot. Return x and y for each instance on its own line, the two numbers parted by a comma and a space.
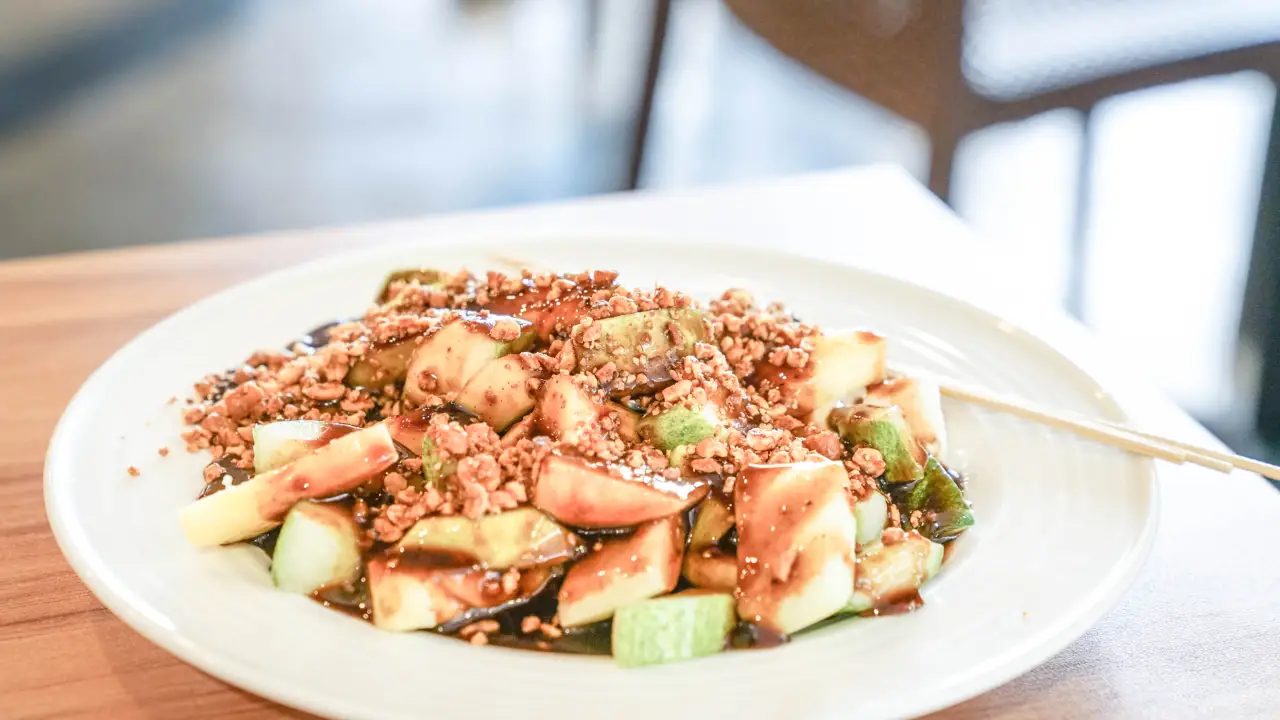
1117, 148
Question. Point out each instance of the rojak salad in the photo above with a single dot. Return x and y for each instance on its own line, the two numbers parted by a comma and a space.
562, 463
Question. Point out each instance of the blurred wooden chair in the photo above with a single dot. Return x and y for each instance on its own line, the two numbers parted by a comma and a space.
956, 66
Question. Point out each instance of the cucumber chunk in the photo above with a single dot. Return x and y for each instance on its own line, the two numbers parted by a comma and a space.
886, 430
383, 365
645, 343
519, 538
921, 403
280, 443
873, 515
937, 496
682, 425
399, 278
318, 547
499, 392
455, 352
673, 628
566, 409
891, 573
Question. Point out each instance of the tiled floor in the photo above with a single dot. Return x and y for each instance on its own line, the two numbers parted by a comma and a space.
291, 114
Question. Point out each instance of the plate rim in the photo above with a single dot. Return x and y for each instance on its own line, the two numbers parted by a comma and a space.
1017, 661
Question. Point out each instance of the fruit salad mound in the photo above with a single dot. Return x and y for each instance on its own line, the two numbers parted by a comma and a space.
560, 462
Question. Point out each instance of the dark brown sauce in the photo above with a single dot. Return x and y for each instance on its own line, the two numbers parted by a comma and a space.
750, 636
590, 534
231, 475
431, 558
266, 542
332, 432
409, 430
353, 601
317, 337
728, 543
533, 584
594, 639
897, 606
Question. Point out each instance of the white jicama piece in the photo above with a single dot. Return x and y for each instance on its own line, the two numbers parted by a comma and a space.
253, 507
280, 443
796, 543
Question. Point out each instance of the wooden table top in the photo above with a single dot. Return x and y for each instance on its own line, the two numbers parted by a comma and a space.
1198, 634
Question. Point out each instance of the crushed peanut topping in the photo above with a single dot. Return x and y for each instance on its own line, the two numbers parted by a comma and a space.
578, 380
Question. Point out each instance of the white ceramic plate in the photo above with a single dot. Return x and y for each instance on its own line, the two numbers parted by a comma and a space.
1063, 525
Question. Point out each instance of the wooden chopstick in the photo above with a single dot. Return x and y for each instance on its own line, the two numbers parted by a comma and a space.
1203, 455
1135, 441
1084, 428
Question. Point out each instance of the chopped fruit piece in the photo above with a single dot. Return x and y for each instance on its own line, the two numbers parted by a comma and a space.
668, 629
280, 443
493, 421
796, 539
885, 430
382, 366
921, 404
840, 368
519, 538
711, 569
566, 409
588, 494
628, 421
409, 430
944, 513
888, 574
423, 276
499, 393
872, 514
421, 592
434, 468
318, 547
705, 564
715, 518
646, 343
682, 425
408, 598
253, 507
551, 312
624, 571
452, 354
